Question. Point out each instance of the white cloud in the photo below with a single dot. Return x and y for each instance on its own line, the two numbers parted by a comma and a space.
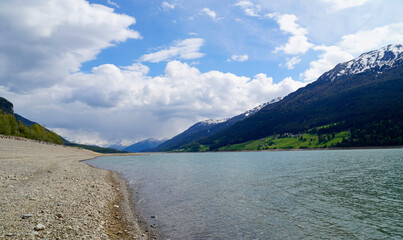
167, 6
331, 56
291, 62
113, 4
363, 41
42, 42
185, 49
353, 45
249, 8
183, 89
209, 13
298, 42
343, 4
239, 58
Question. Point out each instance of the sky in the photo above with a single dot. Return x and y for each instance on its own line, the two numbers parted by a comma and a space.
119, 71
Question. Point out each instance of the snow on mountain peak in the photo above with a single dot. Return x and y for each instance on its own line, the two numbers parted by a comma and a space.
377, 60
212, 121
257, 109
244, 115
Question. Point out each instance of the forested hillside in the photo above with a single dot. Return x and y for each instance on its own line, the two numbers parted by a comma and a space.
10, 126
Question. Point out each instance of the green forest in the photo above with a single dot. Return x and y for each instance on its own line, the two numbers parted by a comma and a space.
10, 126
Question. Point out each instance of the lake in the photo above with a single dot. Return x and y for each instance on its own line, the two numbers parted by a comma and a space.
329, 194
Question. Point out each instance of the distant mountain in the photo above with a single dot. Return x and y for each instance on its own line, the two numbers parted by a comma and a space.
117, 146
205, 129
143, 145
363, 95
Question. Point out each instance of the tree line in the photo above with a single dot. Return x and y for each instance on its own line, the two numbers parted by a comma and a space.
10, 126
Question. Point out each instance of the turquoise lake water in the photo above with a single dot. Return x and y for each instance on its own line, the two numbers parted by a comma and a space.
343, 194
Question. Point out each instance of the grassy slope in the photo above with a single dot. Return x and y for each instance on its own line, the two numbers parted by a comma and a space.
309, 140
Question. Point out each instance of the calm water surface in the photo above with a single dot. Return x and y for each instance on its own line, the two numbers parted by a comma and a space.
346, 194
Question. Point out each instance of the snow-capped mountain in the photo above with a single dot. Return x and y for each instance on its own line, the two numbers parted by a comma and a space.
375, 61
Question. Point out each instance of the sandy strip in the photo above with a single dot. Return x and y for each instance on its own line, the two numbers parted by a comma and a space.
46, 193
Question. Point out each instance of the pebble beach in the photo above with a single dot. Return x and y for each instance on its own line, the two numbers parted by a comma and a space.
46, 192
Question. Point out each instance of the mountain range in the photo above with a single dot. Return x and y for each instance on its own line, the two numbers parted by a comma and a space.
363, 96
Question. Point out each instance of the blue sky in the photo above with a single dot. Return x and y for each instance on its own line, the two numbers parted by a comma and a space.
104, 72
230, 32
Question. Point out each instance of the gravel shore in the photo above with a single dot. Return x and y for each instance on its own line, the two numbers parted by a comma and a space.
47, 193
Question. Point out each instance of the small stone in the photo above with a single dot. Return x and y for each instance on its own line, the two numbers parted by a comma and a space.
9, 234
143, 235
25, 216
153, 216
59, 215
116, 206
13, 178
39, 227
35, 233
59, 204
153, 225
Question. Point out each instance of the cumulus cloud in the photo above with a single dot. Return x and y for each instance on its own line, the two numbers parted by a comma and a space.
41, 43
343, 4
298, 43
182, 87
239, 58
185, 49
352, 45
249, 8
167, 6
363, 41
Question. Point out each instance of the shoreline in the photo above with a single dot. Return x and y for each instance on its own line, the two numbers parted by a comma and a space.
47, 191
125, 215
291, 149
